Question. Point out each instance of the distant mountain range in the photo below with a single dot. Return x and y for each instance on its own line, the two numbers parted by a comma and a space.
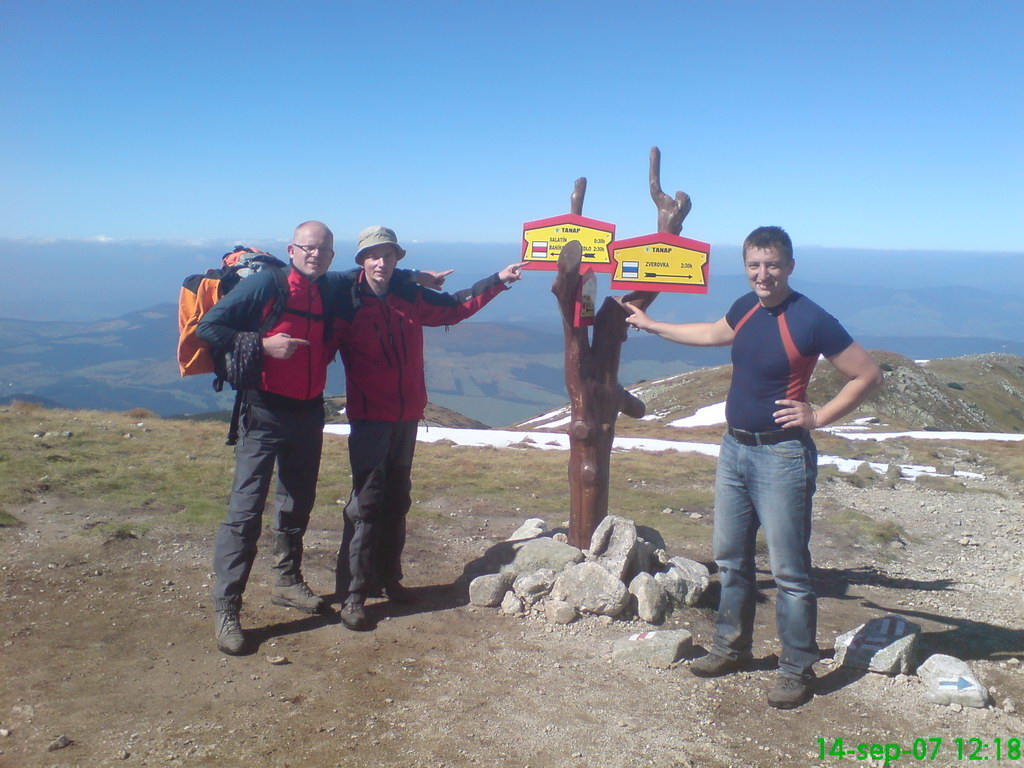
86, 280
82, 342
496, 373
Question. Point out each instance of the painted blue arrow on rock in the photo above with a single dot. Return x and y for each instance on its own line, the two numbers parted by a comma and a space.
959, 683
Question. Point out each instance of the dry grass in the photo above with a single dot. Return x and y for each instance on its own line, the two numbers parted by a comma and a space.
160, 466
868, 530
180, 470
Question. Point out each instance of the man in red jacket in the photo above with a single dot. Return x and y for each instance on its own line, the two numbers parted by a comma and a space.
282, 424
378, 329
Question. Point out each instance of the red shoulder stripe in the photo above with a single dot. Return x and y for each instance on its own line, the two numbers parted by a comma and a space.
800, 367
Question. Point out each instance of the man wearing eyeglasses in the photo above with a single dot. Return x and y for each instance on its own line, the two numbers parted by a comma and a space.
281, 424
282, 419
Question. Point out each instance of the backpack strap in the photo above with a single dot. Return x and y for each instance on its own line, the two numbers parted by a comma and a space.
236, 412
276, 309
280, 300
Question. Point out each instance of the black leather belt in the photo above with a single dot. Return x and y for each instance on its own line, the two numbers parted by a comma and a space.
765, 438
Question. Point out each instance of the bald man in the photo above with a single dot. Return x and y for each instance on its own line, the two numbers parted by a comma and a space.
281, 424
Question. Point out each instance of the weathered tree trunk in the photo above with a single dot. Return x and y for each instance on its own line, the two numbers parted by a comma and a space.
592, 370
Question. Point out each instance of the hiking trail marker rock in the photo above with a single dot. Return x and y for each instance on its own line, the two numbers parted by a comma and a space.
886, 645
950, 680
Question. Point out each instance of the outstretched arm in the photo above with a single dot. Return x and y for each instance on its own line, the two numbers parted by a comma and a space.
863, 377
716, 334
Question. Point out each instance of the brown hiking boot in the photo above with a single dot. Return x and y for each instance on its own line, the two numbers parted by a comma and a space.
789, 693
228, 631
298, 596
715, 665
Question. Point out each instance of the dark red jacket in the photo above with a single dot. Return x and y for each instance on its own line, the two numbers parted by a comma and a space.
381, 342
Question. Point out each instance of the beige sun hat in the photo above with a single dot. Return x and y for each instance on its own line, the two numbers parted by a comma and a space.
377, 235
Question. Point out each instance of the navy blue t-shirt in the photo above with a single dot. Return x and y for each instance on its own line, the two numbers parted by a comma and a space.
773, 355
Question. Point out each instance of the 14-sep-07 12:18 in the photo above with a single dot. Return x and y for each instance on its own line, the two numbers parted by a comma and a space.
971, 749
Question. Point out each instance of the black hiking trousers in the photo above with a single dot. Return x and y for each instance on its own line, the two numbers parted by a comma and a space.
370, 557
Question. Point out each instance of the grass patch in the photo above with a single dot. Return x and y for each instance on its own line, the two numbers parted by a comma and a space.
8, 521
1007, 458
120, 531
164, 467
867, 529
529, 482
180, 470
948, 484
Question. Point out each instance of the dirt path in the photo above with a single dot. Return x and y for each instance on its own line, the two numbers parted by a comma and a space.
108, 642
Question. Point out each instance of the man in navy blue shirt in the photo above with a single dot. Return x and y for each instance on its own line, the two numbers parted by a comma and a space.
767, 465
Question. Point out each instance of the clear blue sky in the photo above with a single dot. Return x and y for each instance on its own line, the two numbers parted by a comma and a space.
862, 124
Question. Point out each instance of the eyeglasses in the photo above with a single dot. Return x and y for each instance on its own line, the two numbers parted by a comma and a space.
309, 250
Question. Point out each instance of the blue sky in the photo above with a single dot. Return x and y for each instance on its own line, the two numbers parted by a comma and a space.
854, 124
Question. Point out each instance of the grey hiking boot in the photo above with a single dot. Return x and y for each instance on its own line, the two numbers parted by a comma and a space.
298, 596
789, 693
228, 630
353, 616
715, 665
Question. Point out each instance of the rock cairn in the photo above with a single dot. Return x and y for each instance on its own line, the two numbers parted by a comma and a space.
626, 572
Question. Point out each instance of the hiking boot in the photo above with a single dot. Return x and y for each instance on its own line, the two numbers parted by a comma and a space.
789, 693
353, 616
228, 630
715, 665
298, 596
397, 593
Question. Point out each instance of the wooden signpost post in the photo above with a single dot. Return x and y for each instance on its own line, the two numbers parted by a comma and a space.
592, 367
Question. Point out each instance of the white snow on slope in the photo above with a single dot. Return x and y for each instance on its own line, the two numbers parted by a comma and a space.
707, 416
559, 441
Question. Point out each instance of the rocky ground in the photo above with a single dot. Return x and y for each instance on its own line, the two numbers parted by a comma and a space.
107, 656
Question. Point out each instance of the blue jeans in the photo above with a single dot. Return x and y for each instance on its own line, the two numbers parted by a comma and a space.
768, 486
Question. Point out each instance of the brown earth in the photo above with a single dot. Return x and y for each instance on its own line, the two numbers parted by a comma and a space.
107, 641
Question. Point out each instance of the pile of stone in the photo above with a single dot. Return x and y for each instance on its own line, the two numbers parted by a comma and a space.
626, 572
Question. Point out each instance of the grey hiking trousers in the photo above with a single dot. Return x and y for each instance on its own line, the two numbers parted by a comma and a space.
292, 440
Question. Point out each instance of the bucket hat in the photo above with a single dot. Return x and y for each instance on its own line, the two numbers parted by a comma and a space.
377, 235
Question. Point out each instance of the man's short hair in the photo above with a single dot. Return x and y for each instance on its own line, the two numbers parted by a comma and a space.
769, 238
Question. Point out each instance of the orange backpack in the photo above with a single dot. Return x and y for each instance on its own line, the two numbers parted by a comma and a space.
200, 292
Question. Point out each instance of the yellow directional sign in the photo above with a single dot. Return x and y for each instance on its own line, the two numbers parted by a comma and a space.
660, 262
543, 241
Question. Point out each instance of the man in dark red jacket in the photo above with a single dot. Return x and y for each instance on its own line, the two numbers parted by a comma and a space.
378, 328
282, 424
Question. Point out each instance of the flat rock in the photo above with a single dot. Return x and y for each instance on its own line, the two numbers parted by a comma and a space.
884, 645
530, 529
657, 648
538, 554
